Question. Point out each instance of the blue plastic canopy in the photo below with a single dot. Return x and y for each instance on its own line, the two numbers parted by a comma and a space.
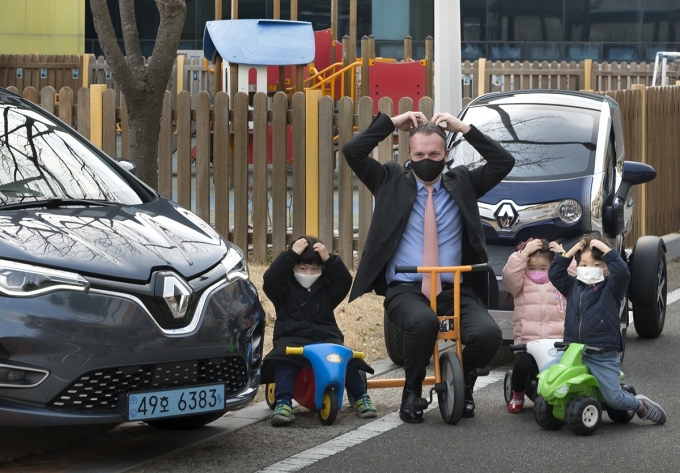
259, 42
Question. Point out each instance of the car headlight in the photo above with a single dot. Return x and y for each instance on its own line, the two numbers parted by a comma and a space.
569, 211
562, 390
235, 265
24, 280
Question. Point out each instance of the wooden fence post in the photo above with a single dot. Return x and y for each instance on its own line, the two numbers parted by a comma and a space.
96, 110
481, 77
429, 67
365, 66
588, 75
642, 136
312, 168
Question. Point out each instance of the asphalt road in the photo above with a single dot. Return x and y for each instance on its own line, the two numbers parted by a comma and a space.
492, 441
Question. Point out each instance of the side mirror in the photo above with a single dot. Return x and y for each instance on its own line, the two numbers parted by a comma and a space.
637, 173
616, 216
127, 165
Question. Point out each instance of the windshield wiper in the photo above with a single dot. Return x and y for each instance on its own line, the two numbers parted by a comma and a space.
56, 203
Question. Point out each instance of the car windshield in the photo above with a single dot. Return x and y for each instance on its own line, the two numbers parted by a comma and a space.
41, 160
547, 142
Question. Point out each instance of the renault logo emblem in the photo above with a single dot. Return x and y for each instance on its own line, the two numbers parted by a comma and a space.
506, 216
176, 295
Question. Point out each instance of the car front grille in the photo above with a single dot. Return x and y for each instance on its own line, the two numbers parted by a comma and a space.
102, 389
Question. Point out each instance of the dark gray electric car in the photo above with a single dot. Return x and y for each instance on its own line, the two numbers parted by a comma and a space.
115, 303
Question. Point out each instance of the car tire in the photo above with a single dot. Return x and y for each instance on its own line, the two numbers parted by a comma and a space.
583, 415
622, 417
186, 422
648, 286
543, 415
394, 341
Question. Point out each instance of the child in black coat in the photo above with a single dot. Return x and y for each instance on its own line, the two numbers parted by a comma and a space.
306, 284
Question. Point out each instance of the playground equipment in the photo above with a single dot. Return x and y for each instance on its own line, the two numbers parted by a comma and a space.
660, 76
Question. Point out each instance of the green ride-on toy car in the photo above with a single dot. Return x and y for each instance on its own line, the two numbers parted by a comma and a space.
568, 393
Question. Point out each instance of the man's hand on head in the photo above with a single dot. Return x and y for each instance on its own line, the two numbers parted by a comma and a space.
408, 120
450, 123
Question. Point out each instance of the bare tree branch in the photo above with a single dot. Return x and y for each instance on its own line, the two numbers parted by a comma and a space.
108, 41
131, 38
173, 14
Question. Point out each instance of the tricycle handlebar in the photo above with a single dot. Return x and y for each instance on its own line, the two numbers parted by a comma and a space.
443, 269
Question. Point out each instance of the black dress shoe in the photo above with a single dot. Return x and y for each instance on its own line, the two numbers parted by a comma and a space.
468, 404
407, 412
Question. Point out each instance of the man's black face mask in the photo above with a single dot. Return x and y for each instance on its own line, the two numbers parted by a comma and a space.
428, 170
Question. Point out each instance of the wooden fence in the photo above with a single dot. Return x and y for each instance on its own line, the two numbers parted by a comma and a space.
477, 77
266, 206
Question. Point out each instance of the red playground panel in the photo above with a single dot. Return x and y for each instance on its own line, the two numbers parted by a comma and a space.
397, 80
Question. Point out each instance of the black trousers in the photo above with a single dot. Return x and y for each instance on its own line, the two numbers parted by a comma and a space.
524, 366
410, 311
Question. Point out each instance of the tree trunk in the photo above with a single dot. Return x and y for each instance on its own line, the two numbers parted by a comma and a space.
144, 122
143, 85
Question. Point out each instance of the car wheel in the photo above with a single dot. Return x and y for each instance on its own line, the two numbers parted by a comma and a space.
583, 415
622, 417
186, 422
329, 407
394, 341
543, 415
452, 400
648, 286
507, 386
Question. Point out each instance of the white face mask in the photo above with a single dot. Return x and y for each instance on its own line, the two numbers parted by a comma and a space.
306, 280
588, 275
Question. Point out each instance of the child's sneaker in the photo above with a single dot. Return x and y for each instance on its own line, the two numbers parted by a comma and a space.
516, 404
283, 414
653, 411
365, 407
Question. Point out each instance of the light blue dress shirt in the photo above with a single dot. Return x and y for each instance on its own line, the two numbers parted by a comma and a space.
409, 251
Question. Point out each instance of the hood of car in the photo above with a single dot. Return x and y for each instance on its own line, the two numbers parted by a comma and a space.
112, 242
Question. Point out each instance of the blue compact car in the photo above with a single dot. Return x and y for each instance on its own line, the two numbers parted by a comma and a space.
570, 177
116, 304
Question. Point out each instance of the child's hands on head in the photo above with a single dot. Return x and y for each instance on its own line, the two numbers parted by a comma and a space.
532, 247
321, 249
300, 245
600, 245
576, 248
555, 247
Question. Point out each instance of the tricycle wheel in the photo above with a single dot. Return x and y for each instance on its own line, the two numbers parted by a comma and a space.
622, 417
583, 415
329, 407
394, 341
648, 286
507, 386
543, 415
270, 396
451, 401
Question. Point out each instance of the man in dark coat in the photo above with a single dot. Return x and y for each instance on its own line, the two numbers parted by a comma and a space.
396, 238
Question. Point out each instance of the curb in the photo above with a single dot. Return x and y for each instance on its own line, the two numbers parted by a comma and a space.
672, 242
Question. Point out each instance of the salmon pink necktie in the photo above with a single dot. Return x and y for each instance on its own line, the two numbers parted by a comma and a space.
430, 244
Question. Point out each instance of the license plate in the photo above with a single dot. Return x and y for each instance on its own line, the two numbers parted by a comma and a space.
175, 402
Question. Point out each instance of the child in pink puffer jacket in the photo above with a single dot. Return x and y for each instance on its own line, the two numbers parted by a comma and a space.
539, 307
